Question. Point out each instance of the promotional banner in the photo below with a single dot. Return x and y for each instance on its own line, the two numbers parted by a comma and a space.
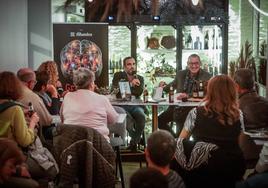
81, 45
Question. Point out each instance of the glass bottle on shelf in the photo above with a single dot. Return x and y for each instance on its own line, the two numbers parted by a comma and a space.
189, 42
206, 40
213, 39
197, 44
120, 64
111, 68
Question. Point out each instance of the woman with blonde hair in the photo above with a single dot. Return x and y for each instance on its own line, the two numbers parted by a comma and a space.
215, 158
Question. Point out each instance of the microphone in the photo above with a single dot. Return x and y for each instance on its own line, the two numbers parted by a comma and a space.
134, 73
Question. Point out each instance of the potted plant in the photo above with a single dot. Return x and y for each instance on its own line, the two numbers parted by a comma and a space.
245, 60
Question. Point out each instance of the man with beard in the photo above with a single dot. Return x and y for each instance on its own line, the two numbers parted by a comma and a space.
136, 83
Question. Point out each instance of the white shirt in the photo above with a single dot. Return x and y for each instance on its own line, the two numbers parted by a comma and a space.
86, 108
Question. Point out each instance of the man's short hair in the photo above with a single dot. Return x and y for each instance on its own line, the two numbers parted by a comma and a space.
83, 77
161, 147
125, 60
148, 178
244, 78
25, 74
194, 56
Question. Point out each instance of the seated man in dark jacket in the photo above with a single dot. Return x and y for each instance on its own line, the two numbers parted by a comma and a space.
255, 111
183, 84
136, 86
253, 106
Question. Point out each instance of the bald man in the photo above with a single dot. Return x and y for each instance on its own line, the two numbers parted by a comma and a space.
28, 79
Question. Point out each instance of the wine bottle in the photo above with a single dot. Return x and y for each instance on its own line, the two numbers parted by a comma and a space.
201, 89
145, 94
171, 95
195, 90
30, 109
60, 93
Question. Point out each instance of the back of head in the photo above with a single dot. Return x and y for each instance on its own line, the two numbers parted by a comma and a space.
42, 79
82, 78
148, 178
25, 74
10, 150
221, 98
51, 68
161, 147
10, 87
244, 78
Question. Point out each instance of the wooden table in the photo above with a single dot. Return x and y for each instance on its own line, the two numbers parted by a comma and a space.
154, 105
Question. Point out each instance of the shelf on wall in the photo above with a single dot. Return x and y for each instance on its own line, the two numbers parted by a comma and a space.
161, 50
202, 50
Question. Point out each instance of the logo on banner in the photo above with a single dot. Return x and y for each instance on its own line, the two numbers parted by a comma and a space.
80, 34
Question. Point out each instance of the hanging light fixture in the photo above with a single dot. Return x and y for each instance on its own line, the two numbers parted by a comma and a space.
195, 2
257, 8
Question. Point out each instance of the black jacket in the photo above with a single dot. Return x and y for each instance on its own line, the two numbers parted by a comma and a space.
135, 90
178, 82
255, 110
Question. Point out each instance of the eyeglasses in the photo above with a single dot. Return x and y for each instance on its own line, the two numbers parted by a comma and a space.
193, 63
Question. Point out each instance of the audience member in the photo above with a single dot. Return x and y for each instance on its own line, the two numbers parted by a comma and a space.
255, 110
183, 84
253, 106
28, 79
14, 125
214, 158
13, 173
47, 92
12, 119
260, 177
86, 108
136, 87
159, 152
148, 178
51, 68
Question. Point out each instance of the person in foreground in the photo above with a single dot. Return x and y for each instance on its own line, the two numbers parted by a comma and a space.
259, 178
136, 87
183, 84
13, 120
12, 171
253, 106
255, 110
159, 152
84, 107
148, 178
213, 158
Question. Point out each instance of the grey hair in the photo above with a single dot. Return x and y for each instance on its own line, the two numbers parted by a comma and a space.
83, 77
194, 56
244, 78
